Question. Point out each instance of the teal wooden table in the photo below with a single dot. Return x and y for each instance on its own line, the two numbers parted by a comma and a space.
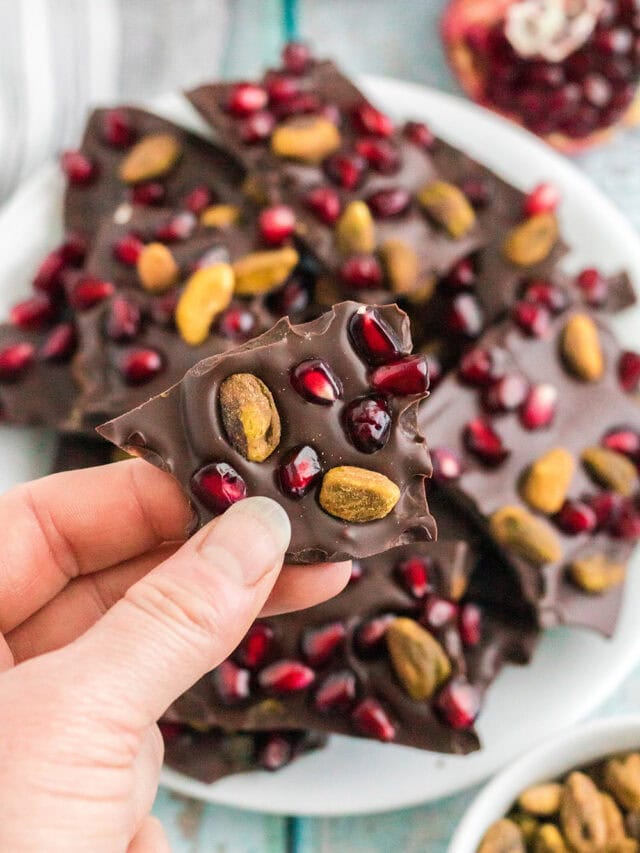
397, 38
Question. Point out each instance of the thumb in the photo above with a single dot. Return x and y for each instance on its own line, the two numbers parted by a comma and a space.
187, 615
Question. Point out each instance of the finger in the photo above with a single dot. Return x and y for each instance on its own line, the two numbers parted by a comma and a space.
146, 771
67, 525
299, 587
6, 656
151, 838
185, 616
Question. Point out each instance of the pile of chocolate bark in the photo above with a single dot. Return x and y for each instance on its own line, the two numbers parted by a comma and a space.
296, 310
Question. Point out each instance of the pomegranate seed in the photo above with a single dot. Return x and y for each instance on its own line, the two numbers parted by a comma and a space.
406, 377
544, 198
369, 637
532, 318
623, 440
290, 299
470, 624
127, 249
141, 366
255, 645
163, 308
482, 440
325, 203
178, 227
413, 574
336, 693
60, 344
123, 320
465, 316
594, 286
281, 87
462, 275
597, 90
198, 199
362, 272
33, 314
368, 119
303, 104
506, 394
296, 57
257, 127
73, 250
231, 682
356, 571
419, 134
346, 169
48, 277
276, 224
477, 191
368, 423
320, 644
480, 366
171, 731
299, 471
555, 298
616, 40
79, 170
438, 612
117, 129
286, 676
15, 359
576, 517
150, 194
246, 98
459, 703
89, 292
627, 523
390, 202
373, 337
447, 465
629, 371
436, 371
371, 720
218, 485
381, 154
539, 407
314, 380
607, 507
275, 753
237, 323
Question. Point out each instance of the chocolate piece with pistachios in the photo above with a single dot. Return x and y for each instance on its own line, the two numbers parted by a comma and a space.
319, 416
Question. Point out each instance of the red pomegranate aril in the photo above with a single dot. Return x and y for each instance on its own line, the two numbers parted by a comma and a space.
477, 191
532, 318
390, 202
198, 199
291, 299
255, 646
368, 423
33, 314
163, 308
78, 168
555, 298
15, 360
419, 134
539, 407
336, 693
89, 292
607, 507
117, 129
314, 380
286, 676
231, 683
459, 703
346, 169
361, 272
544, 198
277, 224
447, 465
505, 394
597, 90
237, 323
357, 571
372, 720
178, 227
629, 371
296, 57
576, 517
275, 753
127, 249
470, 624
319, 645
373, 337
281, 87
480, 366
381, 154
124, 319
594, 286
436, 370
405, 377
60, 344
616, 40
74, 249
303, 104
627, 523
462, 276
369, 638
172, 731
299, 471
367, 119
140, 366
483, 441
257, 127
413, 575
438, 612
246, 98
465, 316
150, 194
325, 203
48, 277
623, 440
218, 486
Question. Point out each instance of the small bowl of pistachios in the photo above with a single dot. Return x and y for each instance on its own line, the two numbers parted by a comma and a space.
576, 793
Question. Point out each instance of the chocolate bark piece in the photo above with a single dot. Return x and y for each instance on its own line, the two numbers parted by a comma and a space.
198, 164
337, 384
523, 414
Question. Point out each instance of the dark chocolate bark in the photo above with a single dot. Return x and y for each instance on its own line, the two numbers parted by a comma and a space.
187, 432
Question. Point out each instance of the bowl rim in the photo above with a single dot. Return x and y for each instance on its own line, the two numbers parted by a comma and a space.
566, 750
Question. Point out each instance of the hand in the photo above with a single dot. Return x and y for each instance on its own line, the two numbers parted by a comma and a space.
107, 616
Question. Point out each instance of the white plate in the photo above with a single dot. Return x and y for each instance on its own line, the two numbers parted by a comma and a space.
573, 671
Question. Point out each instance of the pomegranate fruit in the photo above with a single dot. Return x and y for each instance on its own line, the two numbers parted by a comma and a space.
15, 359
459, 703
368, 423
406, 377
60, 344
299, 471
275, 752
438, 612
231, 682
314, 380
373, 337
447, 465
218, 486
33, 314
371, 720
320, 644
413, 574
286, 676
254, 647
337, 692
140, 366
